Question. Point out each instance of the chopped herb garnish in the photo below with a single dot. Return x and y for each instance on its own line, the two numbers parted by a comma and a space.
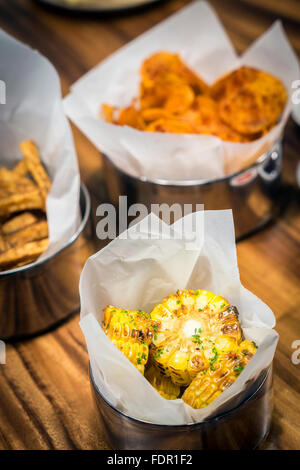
213, 359
178, 302
254, 344
238, 369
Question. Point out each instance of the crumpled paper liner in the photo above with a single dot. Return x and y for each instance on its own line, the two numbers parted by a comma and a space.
137, 273
34, 111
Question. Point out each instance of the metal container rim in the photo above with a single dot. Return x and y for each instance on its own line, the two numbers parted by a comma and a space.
180, 426
193, 182
84, 219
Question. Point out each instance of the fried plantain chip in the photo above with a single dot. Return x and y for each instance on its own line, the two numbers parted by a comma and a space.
250, 100
161, 65
179, 99
130, 117
203, 117
35, 167
152, 114
239, 107
170, 125
23, 253
107, 112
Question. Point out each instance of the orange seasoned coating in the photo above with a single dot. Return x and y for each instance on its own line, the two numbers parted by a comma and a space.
240, 107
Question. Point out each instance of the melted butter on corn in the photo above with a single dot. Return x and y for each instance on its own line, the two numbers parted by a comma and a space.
192, 339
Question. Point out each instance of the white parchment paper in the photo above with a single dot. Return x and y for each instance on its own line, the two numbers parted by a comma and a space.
198, 36
33, 111
137, 273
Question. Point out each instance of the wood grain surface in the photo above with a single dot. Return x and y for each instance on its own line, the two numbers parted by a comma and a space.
45, 400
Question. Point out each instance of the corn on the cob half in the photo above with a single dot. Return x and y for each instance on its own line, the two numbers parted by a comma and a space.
163, 384
189, 323
221, 373
131, 331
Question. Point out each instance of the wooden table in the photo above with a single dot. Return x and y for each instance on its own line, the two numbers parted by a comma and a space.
45, 400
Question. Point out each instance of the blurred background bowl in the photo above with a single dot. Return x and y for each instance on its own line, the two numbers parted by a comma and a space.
243, 427
101, 6
40, 295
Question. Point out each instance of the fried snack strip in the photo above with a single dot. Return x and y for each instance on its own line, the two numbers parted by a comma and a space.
21, 254
18, 222
34, 232
21, 168
18, 202
35, 167
14, 182
3, 243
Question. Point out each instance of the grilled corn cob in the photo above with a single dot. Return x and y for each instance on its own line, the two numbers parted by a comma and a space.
163, 384
188, 325
222, 373
131, 331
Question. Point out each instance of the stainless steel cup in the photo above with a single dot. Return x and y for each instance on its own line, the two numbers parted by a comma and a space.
250, 193
243, 427
38, 296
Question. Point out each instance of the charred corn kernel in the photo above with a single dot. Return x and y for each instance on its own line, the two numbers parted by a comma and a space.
189, 322
135, 324
222, 372
131, 331
136, 352
163, 384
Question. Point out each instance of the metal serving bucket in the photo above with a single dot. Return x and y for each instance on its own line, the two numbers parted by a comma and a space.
38, 296
243, 427
250, 193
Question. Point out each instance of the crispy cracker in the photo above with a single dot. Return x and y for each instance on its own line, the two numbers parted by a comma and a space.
35, 167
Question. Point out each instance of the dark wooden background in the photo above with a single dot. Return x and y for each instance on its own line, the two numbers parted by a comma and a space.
45, 400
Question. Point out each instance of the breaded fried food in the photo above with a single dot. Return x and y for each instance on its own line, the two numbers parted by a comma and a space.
34, 232
240, 107
163, 66
173, 125
21, 168
35, 166
22, 254
18, 222
17, 202
251, 100
23, 224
